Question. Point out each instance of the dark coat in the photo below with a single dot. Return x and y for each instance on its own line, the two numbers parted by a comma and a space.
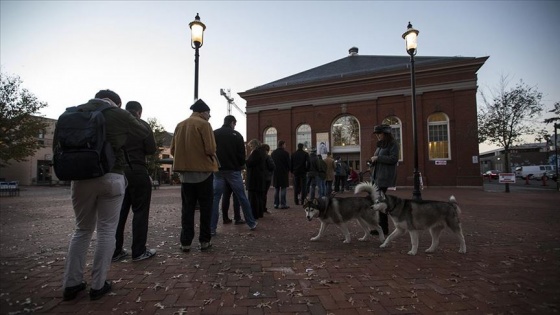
384, 171
256, 170
230, 148
300, 163
270, 166
282, 166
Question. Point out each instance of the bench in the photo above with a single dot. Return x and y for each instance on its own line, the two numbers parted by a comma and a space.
9, 188
155, 184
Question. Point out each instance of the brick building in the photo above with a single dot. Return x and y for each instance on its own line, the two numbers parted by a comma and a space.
338, 104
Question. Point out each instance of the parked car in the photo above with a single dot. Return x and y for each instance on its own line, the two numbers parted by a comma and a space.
550, 175
533, 171
493, 174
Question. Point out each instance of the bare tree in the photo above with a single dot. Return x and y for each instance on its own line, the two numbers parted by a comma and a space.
555, 111
19, 123
154, 159
508, 116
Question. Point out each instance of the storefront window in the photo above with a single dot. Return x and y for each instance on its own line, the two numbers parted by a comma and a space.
270, 137
438, 137
345, 131
303, 135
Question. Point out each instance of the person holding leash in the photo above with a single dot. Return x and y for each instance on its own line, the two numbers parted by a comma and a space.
384, 166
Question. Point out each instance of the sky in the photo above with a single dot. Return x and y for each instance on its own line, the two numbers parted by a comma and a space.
66, 51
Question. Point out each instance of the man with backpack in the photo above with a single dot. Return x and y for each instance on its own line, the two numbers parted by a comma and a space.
138, 192
96, 195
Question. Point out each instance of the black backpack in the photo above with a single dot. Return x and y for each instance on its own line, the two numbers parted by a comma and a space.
80, 149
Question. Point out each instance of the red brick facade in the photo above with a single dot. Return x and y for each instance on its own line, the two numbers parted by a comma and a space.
449, 87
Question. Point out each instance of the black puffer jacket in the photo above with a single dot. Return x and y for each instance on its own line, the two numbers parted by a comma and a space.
230, 148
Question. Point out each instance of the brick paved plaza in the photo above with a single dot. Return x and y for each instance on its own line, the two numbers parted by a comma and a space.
512, 264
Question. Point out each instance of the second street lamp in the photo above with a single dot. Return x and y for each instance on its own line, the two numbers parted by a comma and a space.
197, 39
411, 40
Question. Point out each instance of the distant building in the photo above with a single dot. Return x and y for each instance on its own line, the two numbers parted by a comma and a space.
38, 170
340, 102
526, 154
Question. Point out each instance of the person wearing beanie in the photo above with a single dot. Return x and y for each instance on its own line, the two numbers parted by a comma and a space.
194, 157
200, 107
97, 203
138, 194
383, 165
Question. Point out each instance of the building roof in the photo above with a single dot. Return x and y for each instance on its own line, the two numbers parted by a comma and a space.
355, 65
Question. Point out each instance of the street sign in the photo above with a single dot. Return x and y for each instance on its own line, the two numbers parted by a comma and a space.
507, 178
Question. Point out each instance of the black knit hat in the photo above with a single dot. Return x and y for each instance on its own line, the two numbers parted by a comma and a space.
382, 129
199, 106
110, 95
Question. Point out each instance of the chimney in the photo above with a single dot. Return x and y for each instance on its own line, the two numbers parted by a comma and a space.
353, 51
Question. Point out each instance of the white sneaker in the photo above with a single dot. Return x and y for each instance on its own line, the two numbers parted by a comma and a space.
252, 228
149, 253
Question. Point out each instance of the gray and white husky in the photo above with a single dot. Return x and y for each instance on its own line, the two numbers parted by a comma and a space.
416, 215
340, 210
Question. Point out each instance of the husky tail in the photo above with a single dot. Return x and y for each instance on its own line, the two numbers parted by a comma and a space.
453, 201
370, 189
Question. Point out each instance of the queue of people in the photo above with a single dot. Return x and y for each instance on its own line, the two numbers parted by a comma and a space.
210, 165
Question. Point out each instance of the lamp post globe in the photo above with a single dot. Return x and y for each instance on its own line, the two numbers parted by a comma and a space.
411, 40
197, 40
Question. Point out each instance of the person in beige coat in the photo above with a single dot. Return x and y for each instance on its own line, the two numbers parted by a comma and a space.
194, 157
329, 179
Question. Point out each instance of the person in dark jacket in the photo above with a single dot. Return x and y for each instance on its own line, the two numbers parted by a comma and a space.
138, 193
299, 166
341, 173
231, 155
97, 204
322, 171
269, 170
256, 177
312, 175
280, 178
384, 165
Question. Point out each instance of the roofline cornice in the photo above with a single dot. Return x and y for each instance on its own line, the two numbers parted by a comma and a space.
426, 68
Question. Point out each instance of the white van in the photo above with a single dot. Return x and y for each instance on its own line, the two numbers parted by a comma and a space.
533, 171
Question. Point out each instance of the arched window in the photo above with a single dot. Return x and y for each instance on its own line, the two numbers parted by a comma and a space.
345, 131
270, 137
396, 130
438, 137
303, 135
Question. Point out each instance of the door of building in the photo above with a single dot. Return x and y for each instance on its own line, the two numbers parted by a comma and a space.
44, 172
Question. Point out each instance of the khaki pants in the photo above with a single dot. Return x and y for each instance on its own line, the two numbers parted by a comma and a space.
97, 204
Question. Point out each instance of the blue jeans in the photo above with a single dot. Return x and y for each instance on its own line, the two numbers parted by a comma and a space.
321, 185
310, 186
235, 181
280, 196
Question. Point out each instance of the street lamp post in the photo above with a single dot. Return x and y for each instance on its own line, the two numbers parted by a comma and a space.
411, 40
197, 39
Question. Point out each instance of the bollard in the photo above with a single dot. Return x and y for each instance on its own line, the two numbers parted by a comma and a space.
544, 178
527, 180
